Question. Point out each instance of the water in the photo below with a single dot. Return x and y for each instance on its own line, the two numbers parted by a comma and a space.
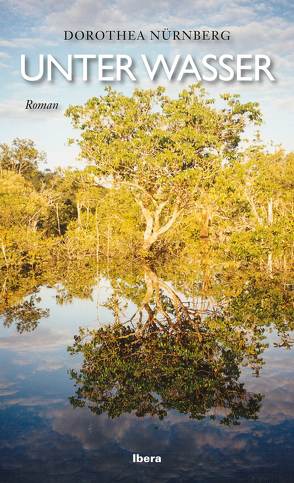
45, 438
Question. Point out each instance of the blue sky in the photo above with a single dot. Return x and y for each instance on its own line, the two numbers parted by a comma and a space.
33, 27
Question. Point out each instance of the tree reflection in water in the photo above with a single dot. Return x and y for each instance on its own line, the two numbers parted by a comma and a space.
26, 315
195, 327
168, 355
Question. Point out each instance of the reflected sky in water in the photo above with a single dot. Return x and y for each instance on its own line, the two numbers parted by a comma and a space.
43, 438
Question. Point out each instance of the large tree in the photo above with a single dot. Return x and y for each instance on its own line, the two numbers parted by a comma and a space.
166, 151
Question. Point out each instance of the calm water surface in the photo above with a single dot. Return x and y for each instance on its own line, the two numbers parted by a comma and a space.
45, 439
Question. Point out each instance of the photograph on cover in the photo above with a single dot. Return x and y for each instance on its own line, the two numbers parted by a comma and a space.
146, 241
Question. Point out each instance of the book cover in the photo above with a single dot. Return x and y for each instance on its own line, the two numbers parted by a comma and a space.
146, 241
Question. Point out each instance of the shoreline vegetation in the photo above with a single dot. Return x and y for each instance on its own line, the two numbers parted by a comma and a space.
170, 183
162, 177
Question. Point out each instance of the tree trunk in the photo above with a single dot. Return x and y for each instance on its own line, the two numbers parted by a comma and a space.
108, 242
79, 214
153, 229
270, 263
97, 236
204, 229
4, 254
148, 242
253, 207
270, 217
58, 219
34, 225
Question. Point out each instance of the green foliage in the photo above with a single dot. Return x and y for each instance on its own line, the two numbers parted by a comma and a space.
108, 224
165, 151
23, 158
26, 315
22, 211
165, 370
20, 204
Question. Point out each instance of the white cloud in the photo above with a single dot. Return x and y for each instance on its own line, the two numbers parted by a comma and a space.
125, 13
34, 7
47, 339
25, 43
30, 401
